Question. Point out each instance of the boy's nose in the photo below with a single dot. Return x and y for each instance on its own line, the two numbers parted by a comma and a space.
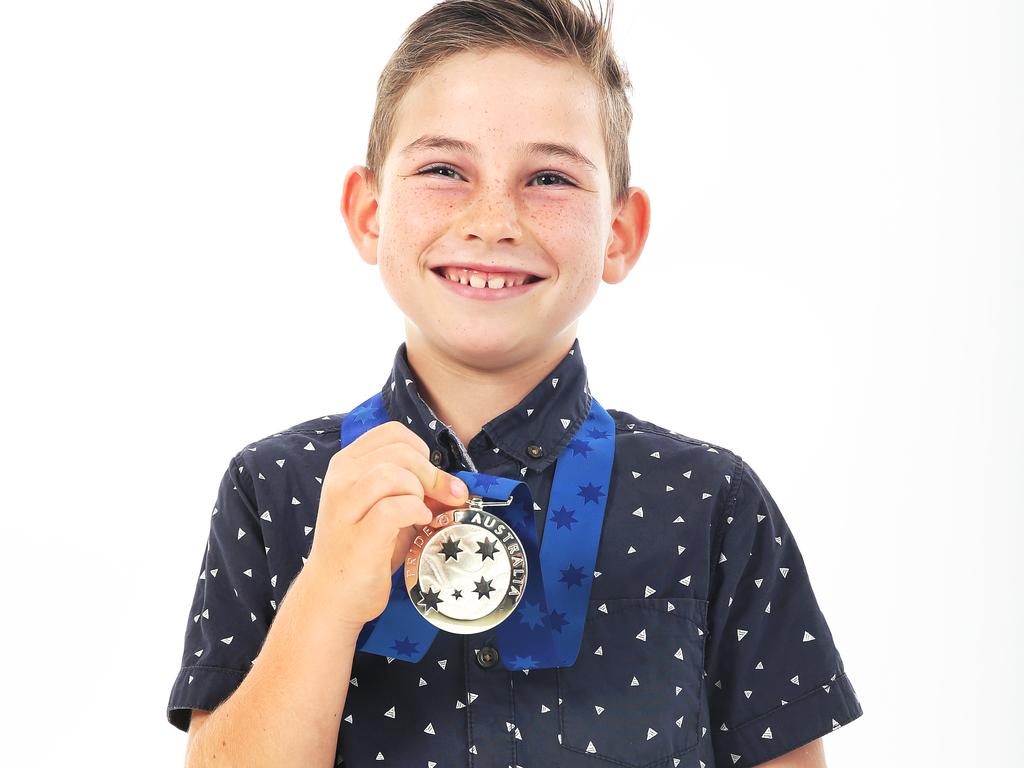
492, 217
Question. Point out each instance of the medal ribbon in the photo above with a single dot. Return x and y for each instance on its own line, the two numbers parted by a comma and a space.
546, 627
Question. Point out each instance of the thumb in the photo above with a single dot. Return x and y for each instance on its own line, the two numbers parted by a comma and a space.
436, 506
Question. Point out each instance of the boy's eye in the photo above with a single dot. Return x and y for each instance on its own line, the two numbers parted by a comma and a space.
553, 175
442, 168
561, 180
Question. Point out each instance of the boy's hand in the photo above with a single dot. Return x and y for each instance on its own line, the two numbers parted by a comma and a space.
376, 491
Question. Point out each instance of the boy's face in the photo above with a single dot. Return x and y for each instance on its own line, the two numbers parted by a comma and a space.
500, 206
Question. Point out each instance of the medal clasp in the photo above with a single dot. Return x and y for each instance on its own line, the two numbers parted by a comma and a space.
477, 503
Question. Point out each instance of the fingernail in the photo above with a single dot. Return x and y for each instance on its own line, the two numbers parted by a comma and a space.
459, 488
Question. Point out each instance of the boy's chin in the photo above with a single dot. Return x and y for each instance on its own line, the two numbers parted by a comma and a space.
483, 347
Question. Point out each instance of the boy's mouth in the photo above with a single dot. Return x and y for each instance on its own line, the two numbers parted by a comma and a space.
489, 280
486, 286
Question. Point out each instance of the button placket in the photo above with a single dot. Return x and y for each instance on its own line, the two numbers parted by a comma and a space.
488, 703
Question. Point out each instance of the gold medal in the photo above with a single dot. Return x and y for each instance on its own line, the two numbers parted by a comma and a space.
466, 571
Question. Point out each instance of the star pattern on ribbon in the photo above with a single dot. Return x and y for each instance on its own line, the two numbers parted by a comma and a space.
556, 621
591, 492
366, 412
578, 447
563, 518
530, 614
404, 647
573, 576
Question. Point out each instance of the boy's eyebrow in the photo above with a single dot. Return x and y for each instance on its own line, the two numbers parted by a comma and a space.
564, 151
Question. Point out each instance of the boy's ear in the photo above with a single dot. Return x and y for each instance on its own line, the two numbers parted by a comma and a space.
629, 233
359, 207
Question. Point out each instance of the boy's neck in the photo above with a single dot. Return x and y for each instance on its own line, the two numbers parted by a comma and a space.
467, 395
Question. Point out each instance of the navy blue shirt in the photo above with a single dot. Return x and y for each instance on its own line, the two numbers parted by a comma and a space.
703, 646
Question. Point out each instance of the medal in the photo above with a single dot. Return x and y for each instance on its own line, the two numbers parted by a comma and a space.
466, 570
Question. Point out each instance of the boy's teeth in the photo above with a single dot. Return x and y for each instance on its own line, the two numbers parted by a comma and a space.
481, 280
478, 281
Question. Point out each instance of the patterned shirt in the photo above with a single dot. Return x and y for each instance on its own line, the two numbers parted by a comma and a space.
703, 643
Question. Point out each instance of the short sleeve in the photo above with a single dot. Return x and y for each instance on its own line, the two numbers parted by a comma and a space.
775, 677
233, 604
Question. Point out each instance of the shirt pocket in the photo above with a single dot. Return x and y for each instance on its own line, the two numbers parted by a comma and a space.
633, 696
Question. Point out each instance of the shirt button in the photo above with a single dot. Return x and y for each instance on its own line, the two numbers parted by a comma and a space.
534, 450
435, 457
487, 657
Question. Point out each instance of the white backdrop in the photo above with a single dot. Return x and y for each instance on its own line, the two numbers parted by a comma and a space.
836, 190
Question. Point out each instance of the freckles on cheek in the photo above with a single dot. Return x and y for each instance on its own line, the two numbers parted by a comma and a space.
569, 238
564, 219
427, 207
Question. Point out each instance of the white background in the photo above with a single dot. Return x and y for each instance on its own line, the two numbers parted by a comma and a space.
831, 288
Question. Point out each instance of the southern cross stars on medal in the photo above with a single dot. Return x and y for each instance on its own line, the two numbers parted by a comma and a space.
462, 553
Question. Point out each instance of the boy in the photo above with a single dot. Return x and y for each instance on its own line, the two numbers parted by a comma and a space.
495, 202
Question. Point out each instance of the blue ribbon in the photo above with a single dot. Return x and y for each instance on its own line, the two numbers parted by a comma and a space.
546, 627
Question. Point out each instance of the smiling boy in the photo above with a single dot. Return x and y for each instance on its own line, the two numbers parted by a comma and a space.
495, 201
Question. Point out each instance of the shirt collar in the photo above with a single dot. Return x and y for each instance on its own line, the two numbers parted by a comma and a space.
533, 432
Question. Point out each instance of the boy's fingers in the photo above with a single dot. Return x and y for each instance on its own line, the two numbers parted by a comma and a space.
436, 507
441, 485
436, 483
447, 487
433, 481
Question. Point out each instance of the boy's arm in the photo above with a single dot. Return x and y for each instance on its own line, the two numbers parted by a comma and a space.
287, 711
808, 756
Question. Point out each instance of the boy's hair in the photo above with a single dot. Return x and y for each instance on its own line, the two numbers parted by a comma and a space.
556, 29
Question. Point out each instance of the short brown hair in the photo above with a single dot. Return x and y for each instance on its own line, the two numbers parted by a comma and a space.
553, 28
